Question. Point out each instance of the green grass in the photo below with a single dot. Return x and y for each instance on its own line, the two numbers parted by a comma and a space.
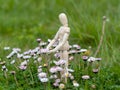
21, 22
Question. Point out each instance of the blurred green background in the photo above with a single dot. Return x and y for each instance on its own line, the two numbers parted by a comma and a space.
23, 21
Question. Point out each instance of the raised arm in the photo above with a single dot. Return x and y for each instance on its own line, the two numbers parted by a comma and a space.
65, 38
53, 41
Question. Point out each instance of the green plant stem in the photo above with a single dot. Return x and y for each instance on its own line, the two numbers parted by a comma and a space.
31, 74
25, 77
6, 77
86, 85
102, 36
16, 81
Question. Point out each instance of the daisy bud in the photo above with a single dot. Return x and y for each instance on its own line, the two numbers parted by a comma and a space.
12, 62
70, 70
39, 59
49, 40
4, 68
38, 40
2, 63
23, 67
93, 86
71, 58
44, 80
57, 80
12, 72
85, 77
55, 84
71, 77
85, 58
39, 70
91, 59
75, 84
6, 48
61, 86
42, 75
95, 71
104, 17
53, 76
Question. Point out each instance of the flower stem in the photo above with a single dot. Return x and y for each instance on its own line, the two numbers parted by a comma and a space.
101, 39
16, 81
31, 75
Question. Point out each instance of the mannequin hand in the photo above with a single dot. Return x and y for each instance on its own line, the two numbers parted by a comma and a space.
44, 50
50, 51
47, 48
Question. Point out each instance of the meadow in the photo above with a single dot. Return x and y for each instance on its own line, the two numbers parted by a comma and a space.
22, 22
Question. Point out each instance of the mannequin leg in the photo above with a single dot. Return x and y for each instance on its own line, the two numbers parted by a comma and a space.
65, 57
61, 58
61, 55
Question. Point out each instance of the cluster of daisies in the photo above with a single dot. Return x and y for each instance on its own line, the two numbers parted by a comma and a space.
54, 71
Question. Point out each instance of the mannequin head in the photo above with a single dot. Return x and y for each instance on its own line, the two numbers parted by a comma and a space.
63, 19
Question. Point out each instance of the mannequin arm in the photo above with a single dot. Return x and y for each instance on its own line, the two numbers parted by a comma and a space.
53, 41
60, 44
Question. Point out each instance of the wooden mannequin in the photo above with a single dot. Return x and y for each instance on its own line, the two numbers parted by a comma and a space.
62, 37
